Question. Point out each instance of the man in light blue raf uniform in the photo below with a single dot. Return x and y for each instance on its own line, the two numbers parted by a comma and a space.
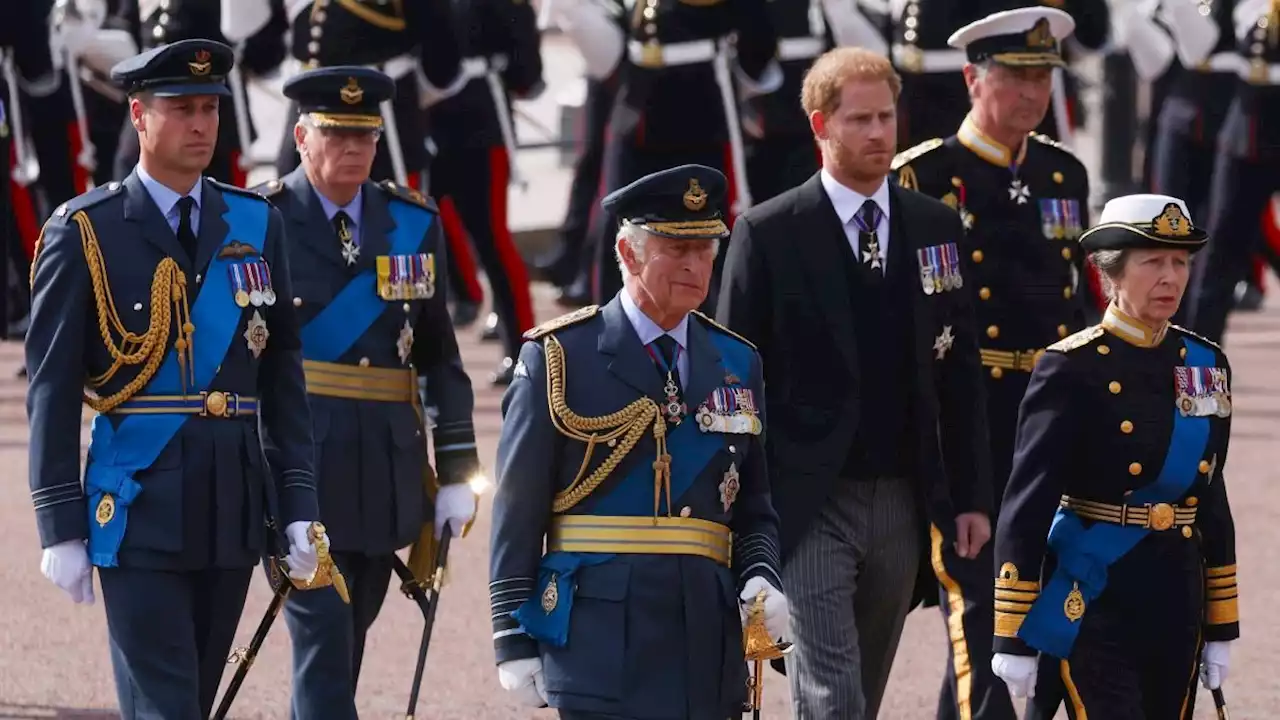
632, 441
134, 312
374, 320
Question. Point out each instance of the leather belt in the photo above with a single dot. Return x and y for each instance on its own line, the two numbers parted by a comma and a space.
642, 535
1020, 360
801, 48
656, 55
1152, 516
355, 382
211, 403
912, 59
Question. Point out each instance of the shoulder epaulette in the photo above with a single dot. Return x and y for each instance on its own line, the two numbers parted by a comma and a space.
724, 329
912, 153
1046, 140
1078, 340
269, 189
564, 321
408, 194
1197, 336
87, 200
227, 187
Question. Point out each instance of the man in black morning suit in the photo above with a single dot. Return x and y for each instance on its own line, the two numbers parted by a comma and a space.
877, 433
371, 303
172, 507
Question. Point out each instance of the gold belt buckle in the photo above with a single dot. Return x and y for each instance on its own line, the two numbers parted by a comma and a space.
216, 404
1160, 516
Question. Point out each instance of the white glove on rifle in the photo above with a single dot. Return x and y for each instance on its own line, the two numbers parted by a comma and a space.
1214, 663
523, 679
775, 605
302, 560
67, 566
1018, 672
455, 505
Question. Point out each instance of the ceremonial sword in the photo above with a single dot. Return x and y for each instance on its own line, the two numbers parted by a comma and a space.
416, 590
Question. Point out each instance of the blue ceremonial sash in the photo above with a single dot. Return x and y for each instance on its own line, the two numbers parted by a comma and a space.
116, 454
691, 451
1084, 554
350, 315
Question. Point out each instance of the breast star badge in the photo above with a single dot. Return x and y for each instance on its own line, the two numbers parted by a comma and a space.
256, 334
1019, 192
405, 342
943, 342
729, 487
871, 256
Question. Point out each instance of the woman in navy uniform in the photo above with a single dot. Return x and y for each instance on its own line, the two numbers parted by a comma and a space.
363, 353
1118, 488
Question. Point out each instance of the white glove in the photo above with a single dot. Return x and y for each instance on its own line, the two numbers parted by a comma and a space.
302, 560
455, 505
775, 605
523, 679
67, 566
1214, 662
1018, 672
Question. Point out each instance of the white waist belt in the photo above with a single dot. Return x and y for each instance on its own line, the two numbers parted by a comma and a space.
1222, 62
398, 66
1256, 73
912, 59
478, 67
800, 48
657, 55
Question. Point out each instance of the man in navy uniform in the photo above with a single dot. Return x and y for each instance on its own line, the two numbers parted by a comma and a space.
632, 441
203, 423
372, 308
1023, 200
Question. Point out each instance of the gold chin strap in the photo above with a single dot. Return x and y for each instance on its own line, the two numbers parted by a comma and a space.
630, 424
168, 300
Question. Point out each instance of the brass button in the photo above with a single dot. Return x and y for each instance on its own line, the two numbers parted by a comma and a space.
1191, 501
215, 404
1057, 177
957, 182
984, 293
1204, 466
1182, 353
407, 307
297, 302
686, 511
364, 362
1114, 387
977, 256
1126, 427
993, 331
997, 373
1135, 468
1066, 293
1062, 331
1186, 531
1103, 350
1066, 253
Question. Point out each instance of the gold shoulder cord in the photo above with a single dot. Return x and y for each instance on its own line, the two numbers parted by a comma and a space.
168, 286
629, 423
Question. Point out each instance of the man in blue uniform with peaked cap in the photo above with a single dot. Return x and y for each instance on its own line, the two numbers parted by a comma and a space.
367, 265
202, 432
633, 443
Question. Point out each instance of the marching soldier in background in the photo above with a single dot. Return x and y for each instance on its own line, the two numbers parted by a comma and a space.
475, 134
1246, 170
206, 432
677, 101
1115, 544
640, 619
1093, 29
412, 42
372, 308
1023, 200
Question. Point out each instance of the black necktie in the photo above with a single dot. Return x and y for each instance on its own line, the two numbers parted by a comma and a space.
869, 250
342, 226
673, 408
186, 236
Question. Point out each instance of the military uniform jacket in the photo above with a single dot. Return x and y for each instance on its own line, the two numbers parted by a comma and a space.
201, 501
666, 102
1098, 424
1198, 97
371, 453
650, 636
802, 37
1247, 131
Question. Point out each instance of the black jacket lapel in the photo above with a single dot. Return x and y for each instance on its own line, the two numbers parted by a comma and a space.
139, 208
311, 229
628, 359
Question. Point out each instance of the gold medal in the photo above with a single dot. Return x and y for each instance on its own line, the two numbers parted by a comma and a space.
242, 298
1073, 607
550, 596
106, 510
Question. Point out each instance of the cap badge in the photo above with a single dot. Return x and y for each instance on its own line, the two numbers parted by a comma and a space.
351, 94
695, 198
1171, 222
202, 64
1040, 35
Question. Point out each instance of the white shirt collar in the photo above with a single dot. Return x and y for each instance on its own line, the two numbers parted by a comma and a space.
165, 197
847, 202
647, 329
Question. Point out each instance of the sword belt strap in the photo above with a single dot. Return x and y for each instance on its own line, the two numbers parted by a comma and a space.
356, 382
211, 403
1020, 360
640, 535
1152, 516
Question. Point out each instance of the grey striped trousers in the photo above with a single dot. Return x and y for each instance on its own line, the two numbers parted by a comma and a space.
849, 585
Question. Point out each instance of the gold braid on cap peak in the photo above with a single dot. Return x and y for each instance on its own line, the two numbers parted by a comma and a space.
624, 428
168, 301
